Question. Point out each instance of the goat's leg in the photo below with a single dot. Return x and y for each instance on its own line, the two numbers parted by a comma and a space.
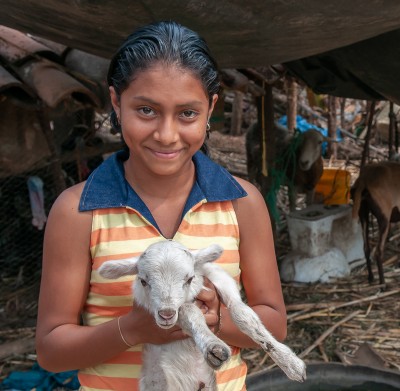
364, 221
250, 324
310, 197
192, 322
292, 195
384, 226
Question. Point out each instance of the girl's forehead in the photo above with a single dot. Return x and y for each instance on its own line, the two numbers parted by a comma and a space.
167, 77
165, 70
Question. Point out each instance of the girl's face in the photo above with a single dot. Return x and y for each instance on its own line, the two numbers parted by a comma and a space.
163, 115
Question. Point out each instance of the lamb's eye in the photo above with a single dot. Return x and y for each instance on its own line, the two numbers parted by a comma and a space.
143, 282
189, 281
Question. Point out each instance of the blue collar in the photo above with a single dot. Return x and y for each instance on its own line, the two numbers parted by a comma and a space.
107, 187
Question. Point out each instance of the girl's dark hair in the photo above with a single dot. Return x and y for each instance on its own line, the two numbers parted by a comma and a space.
167, 42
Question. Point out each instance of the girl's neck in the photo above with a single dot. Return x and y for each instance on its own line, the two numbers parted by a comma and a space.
149, 186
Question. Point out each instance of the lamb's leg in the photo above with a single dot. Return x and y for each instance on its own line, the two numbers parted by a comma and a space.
250, 324
192, 322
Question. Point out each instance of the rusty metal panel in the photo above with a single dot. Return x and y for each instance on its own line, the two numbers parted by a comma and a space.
20, 135
16, 46
53, 85
15, 89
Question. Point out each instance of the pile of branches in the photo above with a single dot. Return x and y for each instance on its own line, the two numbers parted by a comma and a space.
347, 320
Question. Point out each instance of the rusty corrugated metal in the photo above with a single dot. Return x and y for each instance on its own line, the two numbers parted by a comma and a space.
18, 91
53, 84
16, 47
51, 72
40, 78
22, 143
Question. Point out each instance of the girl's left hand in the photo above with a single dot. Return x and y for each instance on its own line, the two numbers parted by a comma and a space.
209, 303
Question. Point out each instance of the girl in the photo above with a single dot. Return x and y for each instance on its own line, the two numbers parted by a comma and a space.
163, 88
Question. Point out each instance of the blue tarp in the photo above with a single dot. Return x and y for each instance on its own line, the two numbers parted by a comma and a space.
39, 379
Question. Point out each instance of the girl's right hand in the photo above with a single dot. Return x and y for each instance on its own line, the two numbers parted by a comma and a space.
138, 327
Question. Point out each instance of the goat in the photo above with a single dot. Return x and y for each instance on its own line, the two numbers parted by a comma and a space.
377, 191
299, 162
169, 277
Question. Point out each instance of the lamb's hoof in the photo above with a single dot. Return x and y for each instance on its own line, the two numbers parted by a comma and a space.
295, 369
217, 354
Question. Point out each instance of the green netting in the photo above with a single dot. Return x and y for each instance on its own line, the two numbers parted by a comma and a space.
278, 173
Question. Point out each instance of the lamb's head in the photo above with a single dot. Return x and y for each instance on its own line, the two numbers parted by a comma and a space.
168, 275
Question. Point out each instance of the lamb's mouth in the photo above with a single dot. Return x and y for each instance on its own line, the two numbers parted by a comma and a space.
166, 323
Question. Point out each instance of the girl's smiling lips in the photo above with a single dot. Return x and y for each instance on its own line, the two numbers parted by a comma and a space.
165, 154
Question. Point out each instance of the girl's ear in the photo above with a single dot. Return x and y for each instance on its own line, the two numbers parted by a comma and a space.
115, 101
213, 101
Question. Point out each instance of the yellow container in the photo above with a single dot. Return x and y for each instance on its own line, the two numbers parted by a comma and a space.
334, 187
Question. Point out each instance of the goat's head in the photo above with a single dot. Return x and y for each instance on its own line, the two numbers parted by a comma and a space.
168, 275
310, 148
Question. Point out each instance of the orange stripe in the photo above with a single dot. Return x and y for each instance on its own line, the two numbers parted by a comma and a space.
112, 288
126, 358
231, 374
117, 234
208, 230
107, 310
108, 383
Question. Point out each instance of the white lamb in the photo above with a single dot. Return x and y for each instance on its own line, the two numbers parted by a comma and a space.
169, 277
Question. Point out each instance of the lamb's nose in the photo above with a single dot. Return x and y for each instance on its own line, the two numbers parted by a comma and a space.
167, 313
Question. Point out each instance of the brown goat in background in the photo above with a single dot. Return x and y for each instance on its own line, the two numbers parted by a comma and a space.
377, 191
299, 161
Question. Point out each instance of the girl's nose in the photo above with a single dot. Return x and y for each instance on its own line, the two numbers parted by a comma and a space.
167, 132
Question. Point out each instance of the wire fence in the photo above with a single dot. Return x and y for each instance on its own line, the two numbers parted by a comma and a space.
25, 201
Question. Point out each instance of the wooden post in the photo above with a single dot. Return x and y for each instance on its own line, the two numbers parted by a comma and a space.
365, 154
342, 111
332, 126
56, 167
392, 120
237, 114
265, 111
292, 103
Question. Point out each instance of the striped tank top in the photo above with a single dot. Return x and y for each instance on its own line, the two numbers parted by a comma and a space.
125, 228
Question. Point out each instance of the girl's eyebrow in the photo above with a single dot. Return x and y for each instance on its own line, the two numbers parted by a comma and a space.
153, 102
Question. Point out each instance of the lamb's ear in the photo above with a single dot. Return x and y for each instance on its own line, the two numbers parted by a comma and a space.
207, 254
116, 269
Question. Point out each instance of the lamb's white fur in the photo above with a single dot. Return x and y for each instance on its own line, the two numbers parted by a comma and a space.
169, 277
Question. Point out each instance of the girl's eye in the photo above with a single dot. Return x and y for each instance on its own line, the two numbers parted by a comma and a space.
146, 111
189, 114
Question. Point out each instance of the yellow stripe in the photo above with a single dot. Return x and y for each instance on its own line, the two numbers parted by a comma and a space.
193, 242
114, 370
224, 218
123, 247
114, 220
110, 301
